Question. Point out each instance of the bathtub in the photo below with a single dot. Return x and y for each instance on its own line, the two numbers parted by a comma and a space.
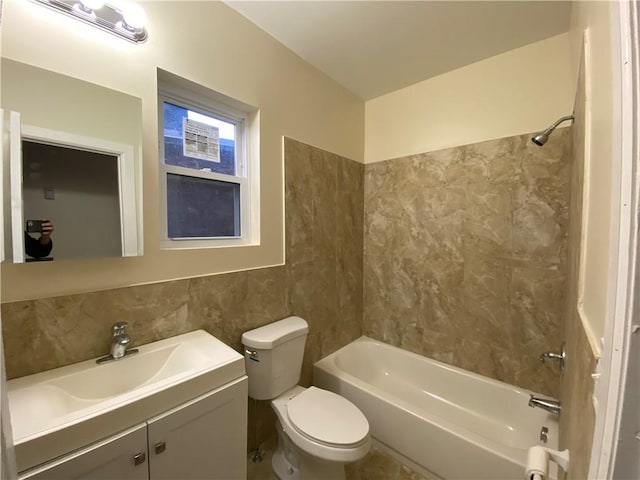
441, 421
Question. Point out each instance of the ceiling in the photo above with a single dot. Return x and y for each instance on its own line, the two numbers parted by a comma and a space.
376, 47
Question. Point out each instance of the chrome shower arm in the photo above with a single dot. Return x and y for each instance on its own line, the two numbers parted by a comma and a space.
566, 118
541, 138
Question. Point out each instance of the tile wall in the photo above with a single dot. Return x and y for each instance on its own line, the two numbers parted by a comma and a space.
465, 255
321, 282
577, 422
465, 260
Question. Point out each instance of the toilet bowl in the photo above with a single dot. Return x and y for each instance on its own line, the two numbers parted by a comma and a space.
318, 431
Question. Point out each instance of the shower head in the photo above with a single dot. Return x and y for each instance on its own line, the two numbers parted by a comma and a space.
541, 138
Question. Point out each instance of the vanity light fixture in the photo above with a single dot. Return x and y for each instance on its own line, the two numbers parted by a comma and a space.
125, 19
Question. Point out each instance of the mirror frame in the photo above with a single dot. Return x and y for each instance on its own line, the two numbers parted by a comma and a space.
131, 244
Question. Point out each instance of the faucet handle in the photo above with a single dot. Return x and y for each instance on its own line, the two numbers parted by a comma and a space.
118, 328
560, 357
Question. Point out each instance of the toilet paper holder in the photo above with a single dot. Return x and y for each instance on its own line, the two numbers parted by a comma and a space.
538, 461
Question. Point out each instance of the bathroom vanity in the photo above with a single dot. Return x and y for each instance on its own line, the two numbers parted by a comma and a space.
177, 409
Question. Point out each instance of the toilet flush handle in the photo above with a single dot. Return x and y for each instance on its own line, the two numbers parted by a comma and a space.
253, 355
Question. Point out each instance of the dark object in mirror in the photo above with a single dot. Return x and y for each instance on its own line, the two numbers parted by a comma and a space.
86, 207
34, 226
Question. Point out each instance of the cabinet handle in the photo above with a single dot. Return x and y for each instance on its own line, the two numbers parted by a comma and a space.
160, 447
139, 458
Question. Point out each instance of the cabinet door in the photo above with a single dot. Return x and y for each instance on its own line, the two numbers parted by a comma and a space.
121, 457
203, 439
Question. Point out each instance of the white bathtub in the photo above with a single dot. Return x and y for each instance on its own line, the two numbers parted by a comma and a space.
440, 420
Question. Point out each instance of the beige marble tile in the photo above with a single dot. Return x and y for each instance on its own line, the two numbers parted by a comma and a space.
153, 311
541, 202
26, 348
349, 260
266, 296
324, 184
324, 293
219, 302
577, 422
539, 229
499, 210
392, 225
485, 357
391, 297
488, 215
54, 332
485, 313
299, 289
537, 300
298, 202
494, 161
443, 168
350, 208
440, 290
349, 304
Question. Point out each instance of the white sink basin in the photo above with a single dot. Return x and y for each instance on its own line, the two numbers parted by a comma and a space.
151, 365
86, 401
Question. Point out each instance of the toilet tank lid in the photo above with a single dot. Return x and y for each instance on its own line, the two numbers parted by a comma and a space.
275, 333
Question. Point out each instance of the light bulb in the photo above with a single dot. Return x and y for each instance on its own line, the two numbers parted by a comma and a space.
92, 4
134, 16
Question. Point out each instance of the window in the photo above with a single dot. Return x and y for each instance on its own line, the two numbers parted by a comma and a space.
204, 174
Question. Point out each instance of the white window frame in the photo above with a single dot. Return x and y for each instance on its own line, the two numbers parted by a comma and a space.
216, 106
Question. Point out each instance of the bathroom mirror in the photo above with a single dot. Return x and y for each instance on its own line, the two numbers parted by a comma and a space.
72, 155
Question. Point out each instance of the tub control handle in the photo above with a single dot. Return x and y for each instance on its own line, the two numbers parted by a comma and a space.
561, 357
544, 434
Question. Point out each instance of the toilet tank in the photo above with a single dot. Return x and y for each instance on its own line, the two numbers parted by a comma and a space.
273, 357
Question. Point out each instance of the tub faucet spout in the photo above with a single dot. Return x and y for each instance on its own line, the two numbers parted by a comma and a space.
551, 406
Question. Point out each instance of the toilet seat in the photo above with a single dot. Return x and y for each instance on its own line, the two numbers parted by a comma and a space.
327, 418
348, 447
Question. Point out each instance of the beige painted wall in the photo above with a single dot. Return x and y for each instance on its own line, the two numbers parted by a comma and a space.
600, 134
517, 92
48, 100
212, 45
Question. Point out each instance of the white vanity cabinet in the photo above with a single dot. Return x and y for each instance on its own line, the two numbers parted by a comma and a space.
109, 459
203, 438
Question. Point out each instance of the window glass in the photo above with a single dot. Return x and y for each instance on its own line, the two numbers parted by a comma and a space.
201, 207
210, 144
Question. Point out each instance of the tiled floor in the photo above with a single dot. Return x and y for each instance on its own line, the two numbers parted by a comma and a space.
262, 470
375, 466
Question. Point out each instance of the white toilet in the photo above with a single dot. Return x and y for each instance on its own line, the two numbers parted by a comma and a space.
318, 431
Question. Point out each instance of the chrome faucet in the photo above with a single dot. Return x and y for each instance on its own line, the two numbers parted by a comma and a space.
551, 406
119, 344
120, 341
